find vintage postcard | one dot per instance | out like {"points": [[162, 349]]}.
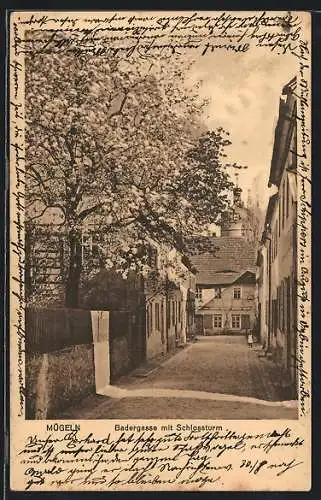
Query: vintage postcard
{"points": [[160, 224]]}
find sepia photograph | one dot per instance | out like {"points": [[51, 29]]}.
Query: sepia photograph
{"points": [[160, 236], [163, 218]]}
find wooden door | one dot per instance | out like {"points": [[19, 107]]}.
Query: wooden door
{"points": [[245, 322], [199, 324]]}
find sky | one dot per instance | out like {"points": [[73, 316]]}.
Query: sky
{"points": [[244, 91]]}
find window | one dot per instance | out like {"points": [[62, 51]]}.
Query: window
{"points": [[91, 249], [275, 240], [149, 319], [179, 312], [281, 311], [287, 196], [283, 204], [267, 312], [288, 305], [236, 321], [217, 320], [198, 293], [173, 313], [236, 293], [217, 293], [157, 318], [162, 321], [274, 316], [284, 304], [168, 314], [278, 309]]}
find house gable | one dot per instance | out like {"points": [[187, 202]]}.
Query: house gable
{"points": [[247, 278]]}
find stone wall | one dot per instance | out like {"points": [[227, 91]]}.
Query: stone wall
{"points": [[55, 380]]}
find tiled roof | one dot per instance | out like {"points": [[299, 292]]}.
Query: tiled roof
{"points": [[223, 261]]}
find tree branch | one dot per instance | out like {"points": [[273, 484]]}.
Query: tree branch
{"points": [[37, 177], [89, 211], [54, 205], [32, 202]]}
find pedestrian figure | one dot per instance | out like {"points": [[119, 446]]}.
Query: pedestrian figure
{"points": [[250, 339]]}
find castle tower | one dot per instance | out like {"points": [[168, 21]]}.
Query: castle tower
{"points": [[232, 221]]}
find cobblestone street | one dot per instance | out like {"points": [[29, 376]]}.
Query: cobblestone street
{"points": [[215, 377]]}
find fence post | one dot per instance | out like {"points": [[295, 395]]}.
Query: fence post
{"points": [[42, 396], [100, 329]]}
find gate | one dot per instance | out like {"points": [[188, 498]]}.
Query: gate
{"points": [[127, 341], [138, 346]]}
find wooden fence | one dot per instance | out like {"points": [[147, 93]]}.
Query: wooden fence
{"points": [[49, 330]]}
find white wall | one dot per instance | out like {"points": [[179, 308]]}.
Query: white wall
{"points": [[227, 305]]}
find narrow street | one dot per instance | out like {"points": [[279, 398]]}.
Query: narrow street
{"points": [[215, 377]]}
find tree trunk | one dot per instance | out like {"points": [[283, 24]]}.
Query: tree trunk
{"points": [[74, 270]]}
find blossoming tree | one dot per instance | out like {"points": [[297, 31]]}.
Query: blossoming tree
{"points": [[112, 144]]}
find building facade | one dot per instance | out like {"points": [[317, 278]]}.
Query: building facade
{"points": [[225, 286], [277, 276], [161, 302], [262, 294], [170, 302], [231, 308]]}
